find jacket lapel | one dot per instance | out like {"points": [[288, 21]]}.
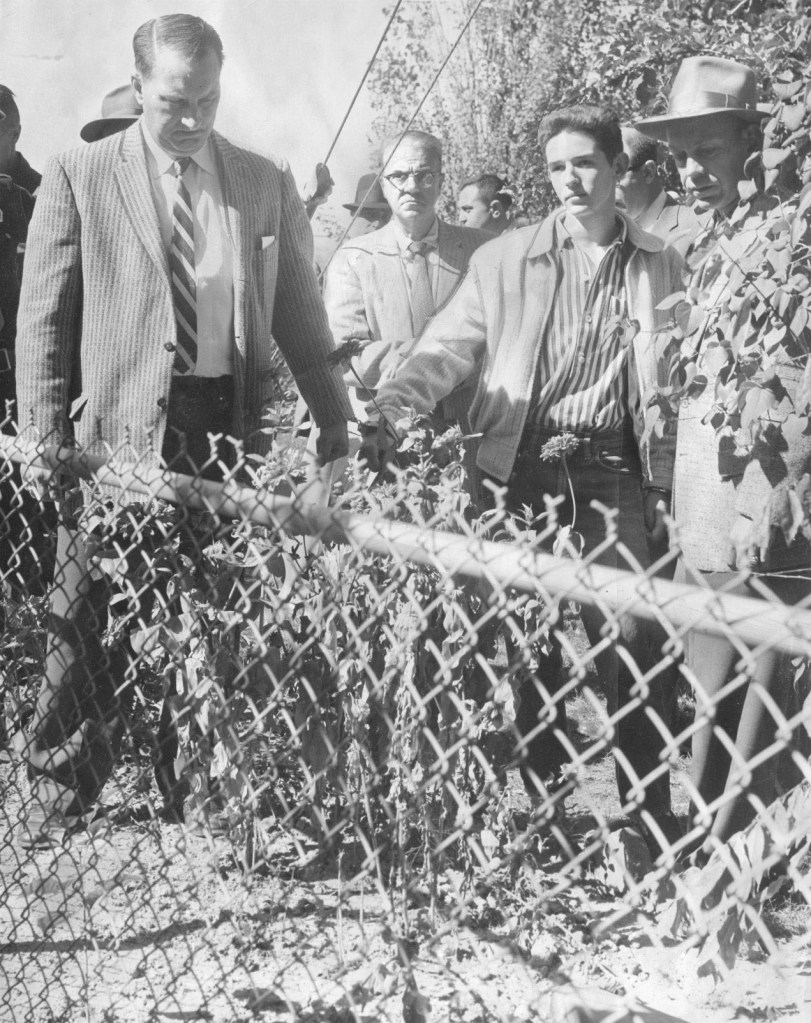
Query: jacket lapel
{"points": [[135, 188], [451, 263], [391, 290]]}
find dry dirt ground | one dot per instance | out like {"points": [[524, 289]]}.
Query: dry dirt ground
{"points": [[145, 922]]}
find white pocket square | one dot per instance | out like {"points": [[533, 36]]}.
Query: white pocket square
{"points": [[268, 240]]}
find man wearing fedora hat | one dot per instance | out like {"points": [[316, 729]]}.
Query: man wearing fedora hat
{"points": [[726, 477], [119, 109], [370, 211]]}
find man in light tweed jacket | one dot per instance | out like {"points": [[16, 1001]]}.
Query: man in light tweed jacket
{"points": [[160, 262], [558, 322]]}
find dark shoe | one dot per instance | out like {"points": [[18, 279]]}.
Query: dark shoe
{"points": [[668, 830]]}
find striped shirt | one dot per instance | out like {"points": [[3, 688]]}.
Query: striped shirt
{"points": [[580, 382]]}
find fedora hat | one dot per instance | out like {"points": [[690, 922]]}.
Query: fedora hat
{"points": [[705, 86], [118, 110], [375, 200]]}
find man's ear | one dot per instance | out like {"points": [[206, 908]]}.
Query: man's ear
{"points": [[621, 163], [496, 209], [137, 88], [650, 170]]}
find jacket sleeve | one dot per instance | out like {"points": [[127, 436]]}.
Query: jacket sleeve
{"points": [[49, 319], [343, 298], [346, 303], [300, 325], [448, 352], [649, 368]]}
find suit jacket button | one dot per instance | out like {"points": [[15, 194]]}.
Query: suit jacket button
{"points": [[162, 402], [170, 347]]}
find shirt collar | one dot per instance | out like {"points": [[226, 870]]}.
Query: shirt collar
{"points": [[403, 241], [544, 241], [204, 158], [563, 237], [653, 212]]}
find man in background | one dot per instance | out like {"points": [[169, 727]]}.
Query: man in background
{"points": [[13, 163], [370, 211], [26, 523], [641, 193], [485, 203], [119, 109], [383, 287]]}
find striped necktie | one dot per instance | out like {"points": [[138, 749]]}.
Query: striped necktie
{"points": [[422, 298], [184, 278]]}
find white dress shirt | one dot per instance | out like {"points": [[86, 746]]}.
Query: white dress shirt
{"points": [[213, 250]]}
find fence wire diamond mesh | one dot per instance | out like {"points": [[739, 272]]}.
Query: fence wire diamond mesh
{"points": [[385, 760]]}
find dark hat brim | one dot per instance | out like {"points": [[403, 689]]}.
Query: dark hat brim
{"points": [[93, 130], [377, 207], [654, 126]]}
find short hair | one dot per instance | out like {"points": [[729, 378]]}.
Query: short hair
{"points": [[423, 138], [640, 148], [8, 104], [490, 187], [600, 122], [186, 34]]}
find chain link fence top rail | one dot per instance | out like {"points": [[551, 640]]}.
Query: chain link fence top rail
{"points": [[313, 743]]}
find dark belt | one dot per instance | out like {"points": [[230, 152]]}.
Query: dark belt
{"points": [[203, 386], [590, 445]]}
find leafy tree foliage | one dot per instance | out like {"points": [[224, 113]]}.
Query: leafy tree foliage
{"points": [[519, 59]]}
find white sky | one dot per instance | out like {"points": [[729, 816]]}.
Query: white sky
{"points": [[291, 68]]}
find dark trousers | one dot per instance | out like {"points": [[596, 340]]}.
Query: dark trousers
{"points": [[604, 469], [83, 704], [27, 524], [743, 718]]}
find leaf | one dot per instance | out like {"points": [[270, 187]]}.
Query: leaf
{"points": [[716, 358], [416, 1007], [671, 301], [729, 938], [774, 157], [785, 512], [653, 414]]}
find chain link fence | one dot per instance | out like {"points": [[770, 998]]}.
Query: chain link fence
{"points": [[308, 740]]}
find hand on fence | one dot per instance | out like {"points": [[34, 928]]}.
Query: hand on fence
{"points": [[332, 443], [378, 445], [744, 551], [318, 189], [42, 480]]}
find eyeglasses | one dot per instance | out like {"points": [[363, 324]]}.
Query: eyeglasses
{"points": [[422, 179]]}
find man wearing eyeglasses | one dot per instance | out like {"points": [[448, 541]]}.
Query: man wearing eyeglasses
{"points": [[383, 287], [642, 195]]}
